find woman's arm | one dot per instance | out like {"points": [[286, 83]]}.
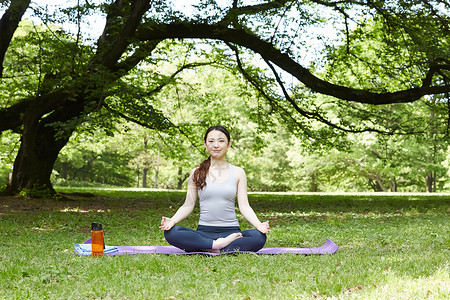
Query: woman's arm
{"points": [[185, 210], [244, 206]]}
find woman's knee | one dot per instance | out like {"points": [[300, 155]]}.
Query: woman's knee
{"points": [[261, 238], [172, 233], [256, 239], [256, 234]]}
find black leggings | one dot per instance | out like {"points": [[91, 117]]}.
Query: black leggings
{"points": [[202, 239]]}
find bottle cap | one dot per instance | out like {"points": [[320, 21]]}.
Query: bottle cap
{"points": [[96, 226]]}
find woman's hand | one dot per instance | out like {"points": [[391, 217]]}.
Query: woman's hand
{"points": [[166, 223], [263, 227]]}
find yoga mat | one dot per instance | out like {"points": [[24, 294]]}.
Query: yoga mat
{"points": [[84, 249]]}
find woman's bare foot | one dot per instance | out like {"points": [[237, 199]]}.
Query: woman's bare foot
{"points": [[221, 243]]}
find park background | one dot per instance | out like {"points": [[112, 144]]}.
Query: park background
{"points": [[148, 130], [338, 112]]}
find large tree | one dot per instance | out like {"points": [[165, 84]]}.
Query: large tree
{"points": [[75, 79]]}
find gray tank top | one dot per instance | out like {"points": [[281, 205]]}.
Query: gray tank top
{"points": [[217, 202]]}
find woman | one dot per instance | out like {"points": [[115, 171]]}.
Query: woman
{"points": [[217, 183]]}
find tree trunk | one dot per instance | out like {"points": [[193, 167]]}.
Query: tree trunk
{"points": [[144, 177], [429, 180], [180, 179], [64, 170], [392, 184], [376, 185], [373, 185], [314, 186], [155, 184], [434, 181], [37, 154], [44, 134]]}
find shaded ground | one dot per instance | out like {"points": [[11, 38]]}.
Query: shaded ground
{"points": [[86, 203], [26, 205], [275, 205]]}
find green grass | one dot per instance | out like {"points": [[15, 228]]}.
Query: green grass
{"points": [[391, 247]]}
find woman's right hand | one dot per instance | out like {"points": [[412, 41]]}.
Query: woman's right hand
{"points": [[166, 223]]}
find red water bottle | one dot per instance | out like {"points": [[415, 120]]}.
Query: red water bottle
{"points": [[97, 241]]}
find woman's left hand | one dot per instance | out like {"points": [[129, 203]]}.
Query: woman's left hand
{"points": [[263, 227]]}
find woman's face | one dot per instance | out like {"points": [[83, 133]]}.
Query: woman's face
{"points": [[217, 144]]}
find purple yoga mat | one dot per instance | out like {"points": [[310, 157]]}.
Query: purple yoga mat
{"points": [[329, 247]]}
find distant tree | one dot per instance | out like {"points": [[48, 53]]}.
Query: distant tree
{"points": [[421, 129], [94, 159]]}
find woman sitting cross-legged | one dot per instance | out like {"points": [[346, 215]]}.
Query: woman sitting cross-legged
{"points": [[217, 183]]}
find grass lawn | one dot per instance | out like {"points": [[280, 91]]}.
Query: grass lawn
{"points": [[391, 247]]}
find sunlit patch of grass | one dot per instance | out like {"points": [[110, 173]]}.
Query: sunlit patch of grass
{"points": [[76, 209]]}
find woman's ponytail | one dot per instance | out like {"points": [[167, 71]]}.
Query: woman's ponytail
{"points": [[200, 173]]}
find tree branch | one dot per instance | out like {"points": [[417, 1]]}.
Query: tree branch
{"points": [[265, 95], [182, 68], [155, 90], [433, 70], [8, 25], [316, 115], [12, 116], [118, 36], [138, 55], [252, 9], [282, 60]]}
